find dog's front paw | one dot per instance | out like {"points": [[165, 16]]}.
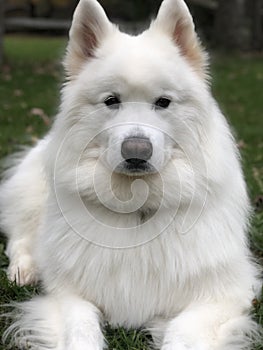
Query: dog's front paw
{"points": [[175, 347], [180, 347], [22, 271], [183, 346], [84, 345]]}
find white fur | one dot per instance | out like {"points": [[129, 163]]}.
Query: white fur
{"points": [[167, 251]]}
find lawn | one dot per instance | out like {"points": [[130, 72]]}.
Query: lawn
{"points": [[29, 95]]}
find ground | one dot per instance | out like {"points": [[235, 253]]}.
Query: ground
{"points": [[29, 95]]}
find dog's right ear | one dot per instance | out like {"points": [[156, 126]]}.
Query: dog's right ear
{"points": [[89, 27], [175, 20]]}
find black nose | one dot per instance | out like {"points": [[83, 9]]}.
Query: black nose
{"points": [[136, 149]]}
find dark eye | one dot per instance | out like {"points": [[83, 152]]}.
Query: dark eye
{"points": [[112, 102], [162, 102]]}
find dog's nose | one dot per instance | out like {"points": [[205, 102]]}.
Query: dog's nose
{"points": [[136, 148]]}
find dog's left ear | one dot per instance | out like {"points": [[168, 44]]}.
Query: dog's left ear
{"points": [[89, 28], [175, 20]]}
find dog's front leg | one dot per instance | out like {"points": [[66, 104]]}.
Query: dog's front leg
{"points": [[81, 325], [208, 326], [55, 322]]}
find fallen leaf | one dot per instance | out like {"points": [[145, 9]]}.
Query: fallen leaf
{"points": [[40, 113], [241, 144], [18, 93]]}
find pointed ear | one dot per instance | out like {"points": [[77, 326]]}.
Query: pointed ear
{"points": [[175, 20], [89, 27]]}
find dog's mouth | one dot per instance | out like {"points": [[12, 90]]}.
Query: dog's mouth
{"points": [[135, 167]]}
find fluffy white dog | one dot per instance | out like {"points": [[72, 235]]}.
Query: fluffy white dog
{"points": [[133, 209]]}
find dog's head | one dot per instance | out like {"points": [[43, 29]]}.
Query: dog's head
{"points": [[134, 107]]}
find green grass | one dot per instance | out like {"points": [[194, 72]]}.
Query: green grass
{"points": [[29, 95], [238, 88], [30, 79]]}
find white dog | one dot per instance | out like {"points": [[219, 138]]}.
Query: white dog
{"points": [[133, 209]]}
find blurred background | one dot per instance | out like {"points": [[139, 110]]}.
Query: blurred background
{"points": [[229, 24], [33, 38]]}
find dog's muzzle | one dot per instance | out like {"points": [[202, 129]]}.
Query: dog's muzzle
{"points": [[136, 152], [136, 149]]}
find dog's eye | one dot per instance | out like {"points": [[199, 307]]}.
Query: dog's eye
{"points": [[162, 102], [112, 102]]}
